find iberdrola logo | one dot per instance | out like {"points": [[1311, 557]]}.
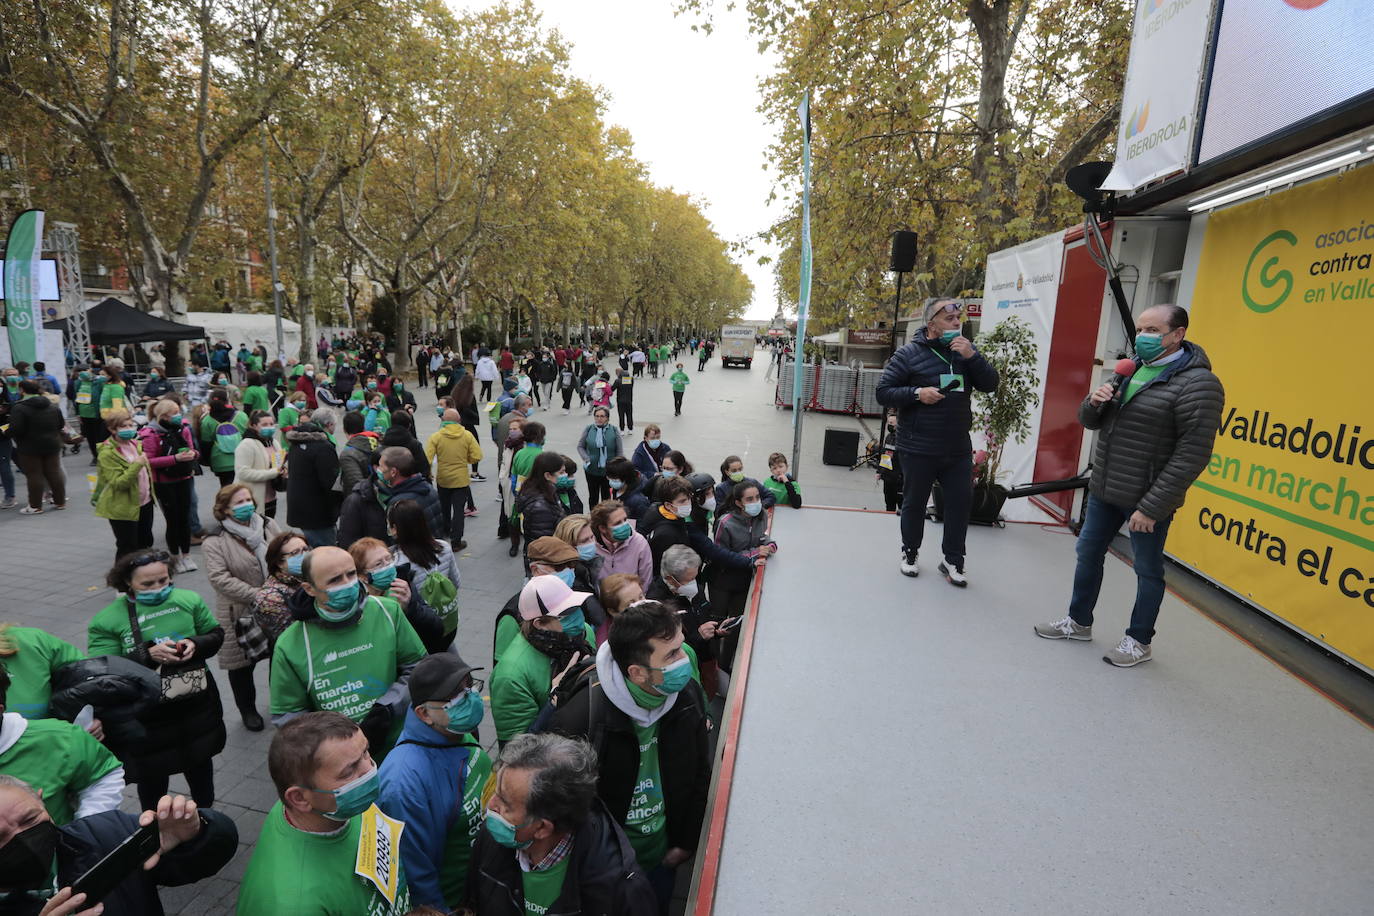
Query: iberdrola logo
{"points": [[1139, 117], [1152, 5]]}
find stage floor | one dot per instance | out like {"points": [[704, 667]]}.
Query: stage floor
{"points": [[909, 747]]}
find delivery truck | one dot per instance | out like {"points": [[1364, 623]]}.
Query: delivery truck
{"points": [[737, 345]]}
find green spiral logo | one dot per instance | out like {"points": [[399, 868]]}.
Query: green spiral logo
{"points": [[1268, 277]]}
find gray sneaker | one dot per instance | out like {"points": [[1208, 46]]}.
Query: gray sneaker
{"points": [[1128, 654], [1064, 629]]}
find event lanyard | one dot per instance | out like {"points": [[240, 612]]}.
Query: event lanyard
{"points": [[942, 357]]}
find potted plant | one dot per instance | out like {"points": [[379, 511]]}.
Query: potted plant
{"points": [[1003, 415]]}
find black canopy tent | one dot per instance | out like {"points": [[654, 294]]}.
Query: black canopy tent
{"points": [[113, 323]]}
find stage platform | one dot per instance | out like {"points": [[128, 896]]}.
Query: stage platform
{"points": [[908, 747]]}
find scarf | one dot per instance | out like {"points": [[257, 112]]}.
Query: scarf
{"points": [[559, 647], [599, 434], [251, 535], [617, 690]]}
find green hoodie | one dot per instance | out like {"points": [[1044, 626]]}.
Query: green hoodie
{"points": [[680, 380]]}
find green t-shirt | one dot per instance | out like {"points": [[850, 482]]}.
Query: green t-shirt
{"points": [[37, 654], [646, 824], [61, 759], [680, 380], [1143, 376], [254, 363], [255, 398], [477, 791], [181, 616], [520, 685], [295, 873], [343, 669], [543, 887]]}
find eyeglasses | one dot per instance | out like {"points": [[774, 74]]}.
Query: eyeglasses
{"points": [[155, 556], [474, 683], [949, 308]]}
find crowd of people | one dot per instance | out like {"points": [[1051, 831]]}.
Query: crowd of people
{"points": [[333, 553]]}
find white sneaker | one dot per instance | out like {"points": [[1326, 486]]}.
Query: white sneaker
{"points": [[909, 565], [1128, 654], [1068, 628], [187, 564], [954, 575]]}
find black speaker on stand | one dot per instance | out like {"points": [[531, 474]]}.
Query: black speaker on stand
{"points": [[902, 261]]}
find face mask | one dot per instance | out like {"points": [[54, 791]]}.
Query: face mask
{"points": [[340, 602], [668, 473], [438, 411], [752, 509], [709, 504], [399, 386], [688, 590], [85, 376], [309, 373], [503, 831], [587, 552], [1149, 347], [736, 476], [675, 677], [381, 578], [152, 376], [220, 381], [573, 622], [614, 484], [26, 860], [683, 511], [353, 798], [294, 565], [299, 405], [948, 336], [565, 482], [622, 531], [267, 432], [154, 597], [566, 575], [242, 512], [127, 434], [464, 713], [653, 443], [372, 385], [174, 419]]}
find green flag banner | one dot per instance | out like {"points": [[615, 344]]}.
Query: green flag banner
{"points": [[23, 310]]}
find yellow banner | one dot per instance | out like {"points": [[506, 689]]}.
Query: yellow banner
{"points": [[1284, 513]]}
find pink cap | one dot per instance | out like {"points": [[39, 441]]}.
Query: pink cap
{"points": [[547, 596]]}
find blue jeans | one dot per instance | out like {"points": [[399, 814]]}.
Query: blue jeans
{"points": [[320, 537], [6, 467], [1100, 525], [197, 529]]}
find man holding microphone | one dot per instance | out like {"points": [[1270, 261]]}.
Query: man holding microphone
{"points": [[929, 381], [1158, 426]]}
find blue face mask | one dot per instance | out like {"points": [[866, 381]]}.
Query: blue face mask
{"points": [[586, 552], [622, 531], [1149, 347], [566, 576], [383, 577], [675, 676], [668, 473], [614, 484], [242, 512], [127, 434], [948, 336], [573, 622], [267, 432], [565, 482], [653, 443], [353, 798], [464, 712], [340, 602], [503, 831], [438, 411], [154, 597], [294, 565], [752, 509]]}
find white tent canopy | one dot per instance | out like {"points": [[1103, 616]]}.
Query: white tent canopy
{"points": [[240, 328]]}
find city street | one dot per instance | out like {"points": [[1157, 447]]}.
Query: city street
{"points": [[65, 556]]}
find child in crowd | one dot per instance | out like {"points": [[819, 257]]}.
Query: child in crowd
{"points": [[781, 484]]}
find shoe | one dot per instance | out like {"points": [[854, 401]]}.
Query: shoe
{"points": [[1067, 628], [954, 575], [469, 513], [565, 413], [909, 565], [56, 506], [9, 503], [252, 721], [514, 549], [197, 540], [94, 462], [30, 510], [478, 477], [1128, 654], [187, 564], [461, 545]]}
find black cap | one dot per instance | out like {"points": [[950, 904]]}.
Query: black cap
{"points": [[436, 678]]}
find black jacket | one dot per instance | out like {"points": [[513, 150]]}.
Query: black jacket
{"points": [[362, 514], [538, 516], [345, 378], [692, 614], [604, 879], [684, 756], [119, 688], [312, 467], [933, 429], [663, 533], [36, 426], [725, 495], [399, 435], [86, 841]]}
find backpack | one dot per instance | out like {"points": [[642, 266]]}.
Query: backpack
{"points": [[581, 676], [227, 438], [494, 412], [439, 592]]}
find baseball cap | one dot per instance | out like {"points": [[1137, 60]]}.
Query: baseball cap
{"points": [[551, 550], [547, 596], [436, 678]]}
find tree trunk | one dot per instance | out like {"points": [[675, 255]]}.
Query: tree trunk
{"points": [[305, 286], [994, 181], [401, 363]]}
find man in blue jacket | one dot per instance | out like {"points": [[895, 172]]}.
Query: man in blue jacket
{"points": [[438, 780], [930, 381]]}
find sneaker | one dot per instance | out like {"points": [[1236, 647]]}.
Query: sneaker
{"points": [[187, 564], [197, 540], [30, 510], [478, 477], [56, 506], [1128, 654], [909, 565], [565, 413], [1067, 628], [954, 575], [9, 503], [469, 513]]}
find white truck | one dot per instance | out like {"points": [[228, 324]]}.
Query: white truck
{"points": [[737, 345]]}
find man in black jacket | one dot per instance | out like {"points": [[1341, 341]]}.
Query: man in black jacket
{"points": [[194, 845], [364, 510], [549, 845], [646, 718], [929, 382], [313, 467]]}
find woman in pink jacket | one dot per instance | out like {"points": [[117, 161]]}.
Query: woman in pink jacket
{"points": [[622, 549], [171, 451]]}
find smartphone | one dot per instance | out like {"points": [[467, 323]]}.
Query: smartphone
{"points": [[125, 859], [728, 624]]}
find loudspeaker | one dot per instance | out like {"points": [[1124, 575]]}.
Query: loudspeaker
{"points": [[903, 252], [841, 446]]}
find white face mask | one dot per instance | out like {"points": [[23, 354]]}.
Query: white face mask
{"points": [[688, 590], [709, 504]]}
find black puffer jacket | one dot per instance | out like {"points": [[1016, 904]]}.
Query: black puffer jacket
{"points": [[933, 429], [604, 878], [1152, 449], [36, 426], [363, 514], [313, 467], [538, 516], [119, 688]]}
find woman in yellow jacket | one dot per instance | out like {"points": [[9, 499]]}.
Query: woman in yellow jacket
{"points": [[454, 450], [124, 485]]}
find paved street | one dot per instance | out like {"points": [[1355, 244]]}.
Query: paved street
{"points": [[59, 560]]}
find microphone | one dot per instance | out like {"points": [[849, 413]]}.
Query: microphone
{"points": [[1125, 368]]}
